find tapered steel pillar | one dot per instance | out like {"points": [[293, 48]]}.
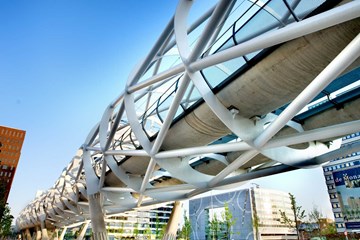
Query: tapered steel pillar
{"points": [[97, 217], [56, 233], [44, 232], [83, 230], [63, 233], [172, 226], [27, 234], [38, 233]]}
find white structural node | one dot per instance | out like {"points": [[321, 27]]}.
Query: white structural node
{"points": [[249, 89]]}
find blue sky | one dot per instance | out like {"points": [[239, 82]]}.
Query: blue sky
{"points": [[62, 62]]}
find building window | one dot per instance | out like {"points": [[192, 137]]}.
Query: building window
{"points": [[332, 196], [335, 205]]}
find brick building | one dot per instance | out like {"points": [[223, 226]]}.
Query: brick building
{"points": [[11, 141]]}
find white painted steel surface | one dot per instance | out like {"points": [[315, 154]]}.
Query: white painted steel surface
{"points": [[138, 156]]}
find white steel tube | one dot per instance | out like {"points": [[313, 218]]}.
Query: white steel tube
{"points": [[184, 82], [139, 153], [324, 20], [116, 189], [173, 188], [157, 78], [329, 132], [257, 174], [115, 125], [95, 149], [164, 129], [149, 171], [348, 55], [165, 34], [210, 29], [193, 26], [226, 147], [241, 160]]}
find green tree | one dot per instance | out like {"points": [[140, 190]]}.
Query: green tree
{"points": [[136, 230], [256, 224], [228, 220], [2, 198], [329, 229], [157, 227], [162, 231], [186, 229], [121, 229], [215, 227], [315, 216], [5, 222], [299, 215], [148, 232]]}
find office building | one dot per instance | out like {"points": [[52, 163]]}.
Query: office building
{"points": [[342, 177], [11, 141], [139, 224], [255, 212], [145, 223]]}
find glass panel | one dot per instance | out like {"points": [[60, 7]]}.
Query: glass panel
{"points": [[214, 75], [190, 97], [278, 10], [229, 43], [234, 64], [245, 18], [222, 38], [217, 74], [148, 73], [168, 62], [238, 10], [147, 105], [265, 20], [152, 125], [253, 54], [194, 35], [178, 112], [164, 106], [303, 8], [140, 104]]}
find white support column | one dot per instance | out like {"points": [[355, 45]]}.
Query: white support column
{"points": [[97, 217], [56, 237], [83, 230], [38, 233], [27, 234], [63, 233], [173, 223], [44, 233]]}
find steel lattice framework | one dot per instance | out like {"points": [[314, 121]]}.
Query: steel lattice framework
{"points": [[204, 109]]}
